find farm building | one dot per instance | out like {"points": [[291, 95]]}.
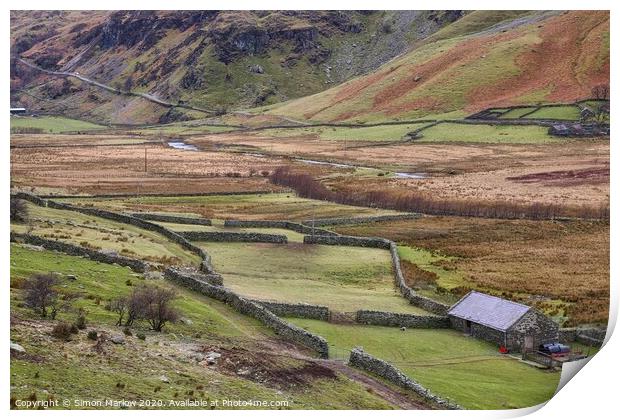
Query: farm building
{"points": [[506, 323]]}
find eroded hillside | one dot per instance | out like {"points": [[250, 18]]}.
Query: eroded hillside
{"points": [[210, 59]]}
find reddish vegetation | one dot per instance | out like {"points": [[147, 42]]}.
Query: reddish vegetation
{"points": [[308, 187], [567, 39], [564, 64], [578, 177], [461, 54]]}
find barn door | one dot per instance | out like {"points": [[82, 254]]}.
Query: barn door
{"points": [[528, 344]]}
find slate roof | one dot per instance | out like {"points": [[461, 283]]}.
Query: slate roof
{"points": [[491, 311]]}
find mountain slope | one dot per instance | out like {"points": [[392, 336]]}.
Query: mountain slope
{"points": [[541, 57], [209, 59]]}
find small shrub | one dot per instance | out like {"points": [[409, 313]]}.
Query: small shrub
{"points": [[127, 331], [19, 211], [128, 282], [80, 322], [92, 335], [63, 331], [141, 336]]}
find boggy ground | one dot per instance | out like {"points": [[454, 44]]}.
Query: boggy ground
{"points": [[562, 267], [491, 170]]}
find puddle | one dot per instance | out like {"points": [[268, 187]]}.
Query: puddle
{"points": [[410, 175], [181, 145], [335, 165]]}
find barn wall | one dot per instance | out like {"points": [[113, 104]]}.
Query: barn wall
{"points": [[478, 331], [542, 328]]}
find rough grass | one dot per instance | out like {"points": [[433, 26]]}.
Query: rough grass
{"points": [[560, 267], [280, 206], [74, 370], [95, 232], [479, 133], [53, 124], [468, 371], [345, 279]]}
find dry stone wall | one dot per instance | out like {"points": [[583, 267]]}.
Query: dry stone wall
{"points": [[135, 265], [172, 219], [408, 293], [348, 241], [587, 336], [279, 224], [359, 220], [371, 364], [297, 310], [234, 237], [391, 319], [205, 265], [253, 309]]}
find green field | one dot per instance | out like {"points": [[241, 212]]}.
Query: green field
{"points": [[279, 206], [54, 125], [394, 132], [567, 112], [95, 232], [468, 371], [344, 279], [75, 370], [479, 133]]}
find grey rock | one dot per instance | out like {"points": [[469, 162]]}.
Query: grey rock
{"points": [[16, 347], [257, 68], [33, 247], [72, 277], [109, 252], [154, 275], [118, 339], [214, 354], [164, 378]]}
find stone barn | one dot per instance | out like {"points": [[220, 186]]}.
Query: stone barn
{"points": [[503, 322]]}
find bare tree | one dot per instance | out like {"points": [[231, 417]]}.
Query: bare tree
{"points": [[157, 306], [120, 306], [601, 92], [40, 294], [19, 211]]}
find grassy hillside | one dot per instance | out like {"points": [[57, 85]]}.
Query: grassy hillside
{"points": [[536, 58], [216, 60], [166, 366]]}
